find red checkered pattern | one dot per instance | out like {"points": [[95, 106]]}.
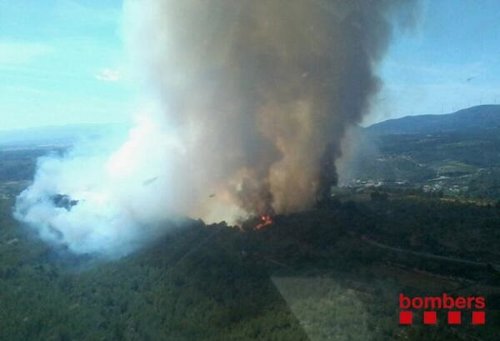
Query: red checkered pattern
{"points": [[454, 317]]}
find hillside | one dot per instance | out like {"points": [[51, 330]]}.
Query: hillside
{"points": [[324, 274], [452, 155], [483, 117]]}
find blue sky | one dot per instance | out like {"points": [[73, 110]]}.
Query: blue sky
{"points": [[63, 62], [449, 62]]}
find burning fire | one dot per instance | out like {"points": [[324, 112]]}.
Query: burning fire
{"points": [[265, 220]]}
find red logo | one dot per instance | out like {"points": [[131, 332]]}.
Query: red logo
{"points": [[454, 307]]}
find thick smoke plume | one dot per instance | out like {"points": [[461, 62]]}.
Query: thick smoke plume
{"points": [[252, 102]]}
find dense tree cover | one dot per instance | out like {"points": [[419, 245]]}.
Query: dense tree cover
{"points": [[334, 272], [308, 275], [179, 289]]}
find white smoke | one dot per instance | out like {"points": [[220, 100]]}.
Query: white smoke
{"points": [[253, 100], [97, 199]]}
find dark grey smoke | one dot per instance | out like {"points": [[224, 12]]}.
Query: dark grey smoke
{"points": [[261, 92], [249, 103]]}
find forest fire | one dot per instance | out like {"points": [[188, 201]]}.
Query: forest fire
{"points": [[265, 220]]}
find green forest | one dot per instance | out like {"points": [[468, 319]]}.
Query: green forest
{"points": [[320, 274]]}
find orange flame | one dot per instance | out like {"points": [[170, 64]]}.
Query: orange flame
{"points": [[266, 220]]}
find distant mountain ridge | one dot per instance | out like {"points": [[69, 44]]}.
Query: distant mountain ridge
{"points": [[474, 119], [482, 117], [56, 135]]}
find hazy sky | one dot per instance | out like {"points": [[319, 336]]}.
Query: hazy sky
{"points": [[62, 61]]}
